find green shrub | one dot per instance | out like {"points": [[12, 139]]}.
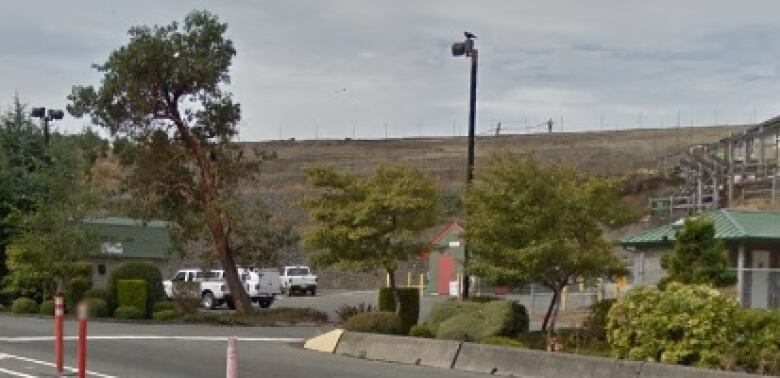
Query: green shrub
{"points": [[444, 310], [24, 306], [421, 330], [82, 269], [595, 325], [688, 325], [137, 270], [484, 299], [98, 308], [503, 341], [46, 307], [410, 305], [758, 341], [346, 311], [75, 291], [482, 320], [97, 293], [164, 315], [163, 306], [128, 312], [375, 322], [131, 293]]}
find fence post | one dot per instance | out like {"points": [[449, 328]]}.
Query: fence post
{"points": [[81, 352], [422, 285], [59, 317], [564, 295], [232, 358]]}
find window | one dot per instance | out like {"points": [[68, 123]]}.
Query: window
{"points": [[297, 272], [102, 269], [178, 277]]}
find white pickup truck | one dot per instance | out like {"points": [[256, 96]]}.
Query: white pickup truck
{"points": [[262, 285], [298, 279], [213, 290]]}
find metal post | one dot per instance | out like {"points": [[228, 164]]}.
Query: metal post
{"points": [[699, 200], [81, 352], [740, 272], [470, 162], [232, 358], [730, 153], [59, 316], [46, 130]]}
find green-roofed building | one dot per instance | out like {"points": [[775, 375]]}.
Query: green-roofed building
{"points": [[126, 239], [753, 241]]}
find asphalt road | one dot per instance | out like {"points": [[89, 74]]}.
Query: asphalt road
{"points": [[142, 350]]}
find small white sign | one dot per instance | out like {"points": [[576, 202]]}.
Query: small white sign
{"points": [[455, 243], [112, 248]]}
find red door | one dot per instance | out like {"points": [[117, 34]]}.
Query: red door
{"points": [[446, 273]]}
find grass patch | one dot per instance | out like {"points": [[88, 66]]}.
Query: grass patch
{"points": [[266, 318]]}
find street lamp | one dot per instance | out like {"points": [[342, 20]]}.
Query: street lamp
{"points": [[53, 114], [460, 49]]}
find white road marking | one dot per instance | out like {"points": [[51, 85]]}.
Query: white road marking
{"points": [[23, 339], [39, 362], [16, 373]]}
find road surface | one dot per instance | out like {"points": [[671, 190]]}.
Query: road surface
{"points": [[144, 350]]}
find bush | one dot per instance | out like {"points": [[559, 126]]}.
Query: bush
{"points": [[482, 320], [128, 312], [24, 306], [164, 315], [445, 310], [138, 270], [758, 341], [410, 305], [96, 293], [163, 306], [387, 323], [484, 299], [421, 330], [75, 290], [131, 293], [346, 311], [595, 325], [98, 308], [46, 307], [503, 341], [688, 325]]}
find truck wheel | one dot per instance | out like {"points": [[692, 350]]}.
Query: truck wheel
{"points": [[265, 303], [231, 305], [208, 301], [313, 291]]}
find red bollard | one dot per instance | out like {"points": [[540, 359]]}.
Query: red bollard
{"points": [[81, 351], [59, 320], [232, 358]]}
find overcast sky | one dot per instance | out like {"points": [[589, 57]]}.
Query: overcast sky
{"points": [[316, 67]]}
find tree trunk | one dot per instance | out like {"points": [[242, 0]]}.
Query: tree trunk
{"points": [[550, 309], [221, 243], [556, 307], [396, 297]]}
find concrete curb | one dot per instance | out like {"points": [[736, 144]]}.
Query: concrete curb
{"points": [[505, 361], [407, 350]]}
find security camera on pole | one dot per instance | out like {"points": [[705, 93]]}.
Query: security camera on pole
{"points": [[460, 49]]}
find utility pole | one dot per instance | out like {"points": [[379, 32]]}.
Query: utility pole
{"points": [[459, 49]]}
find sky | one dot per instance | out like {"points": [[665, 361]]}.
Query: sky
{"points": [[371, 68]]}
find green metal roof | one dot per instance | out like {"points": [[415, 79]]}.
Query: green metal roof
{"points": [[131, 238], [730, 224]]}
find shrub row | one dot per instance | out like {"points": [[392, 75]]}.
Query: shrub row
{"points": [[410, 305]]}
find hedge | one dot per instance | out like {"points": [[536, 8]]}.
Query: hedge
{"points": [[98, 308], [483, 320], [163, 306], [128, 312], [421, 330], [46, 307], [131, 293], [24, 305], [137, 270], [375, 322], [410, 305], [444, 310], [96, 293], [164, 315]]}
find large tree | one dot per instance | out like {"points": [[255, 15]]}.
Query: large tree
{"points": [[370, 221], [528, 223], [697, 257], [165, 90]]}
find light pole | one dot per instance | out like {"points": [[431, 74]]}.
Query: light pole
{"points": [[53, 114], [460, 49]]}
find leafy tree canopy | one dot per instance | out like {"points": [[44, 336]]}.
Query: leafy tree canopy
{"points": [[533, 224]]}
